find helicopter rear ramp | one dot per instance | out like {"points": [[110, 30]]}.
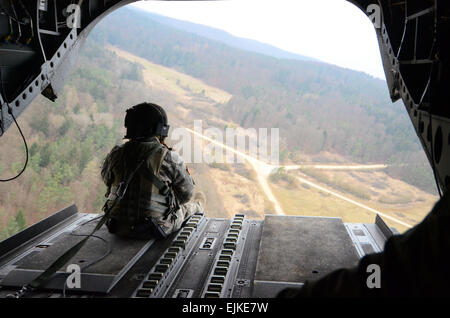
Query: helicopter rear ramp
{"points": [[207, 258], [295, 249]]}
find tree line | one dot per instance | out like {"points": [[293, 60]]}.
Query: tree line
{"points": [[318, 107]]}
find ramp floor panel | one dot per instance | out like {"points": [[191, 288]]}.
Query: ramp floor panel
{"points": [[106, 269], [236, 258], [294, 249]]}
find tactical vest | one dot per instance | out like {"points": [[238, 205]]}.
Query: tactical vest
{"points": [[147, 196]]}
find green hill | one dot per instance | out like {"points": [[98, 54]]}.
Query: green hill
{"points": [[319, 107]]}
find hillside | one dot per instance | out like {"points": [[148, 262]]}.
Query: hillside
{"points": [[69, 139], [334, 116], [321, 108], [225, 37]]}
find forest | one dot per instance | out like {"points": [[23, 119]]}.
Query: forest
{"points": [[67, 141], [319, 108]]}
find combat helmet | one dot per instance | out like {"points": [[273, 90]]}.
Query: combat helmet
{"points": [[146, 120]]}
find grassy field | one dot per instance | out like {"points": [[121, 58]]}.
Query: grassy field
{"points": [[176, 82], [405, 203], [313, 202]]}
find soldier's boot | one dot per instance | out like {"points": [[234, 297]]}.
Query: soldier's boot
{"points": [[199, 197], [196, 205]]}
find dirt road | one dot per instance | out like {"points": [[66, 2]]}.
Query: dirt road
{"points": [[263, 171]]}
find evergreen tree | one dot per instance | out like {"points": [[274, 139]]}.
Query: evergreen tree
{"points": [[20, 220]]}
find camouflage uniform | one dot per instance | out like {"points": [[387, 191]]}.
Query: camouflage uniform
{"points": [[142, 199]]}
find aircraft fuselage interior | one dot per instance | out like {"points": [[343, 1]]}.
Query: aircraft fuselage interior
{"points": [[210, 257]]}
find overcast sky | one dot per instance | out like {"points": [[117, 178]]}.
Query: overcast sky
{"points": [[333, 31]]}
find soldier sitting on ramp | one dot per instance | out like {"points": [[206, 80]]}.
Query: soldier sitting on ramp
{"points": [[158, 184]]}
